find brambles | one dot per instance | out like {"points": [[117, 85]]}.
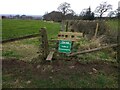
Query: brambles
{"points": [[107, 28], [87, 27]]}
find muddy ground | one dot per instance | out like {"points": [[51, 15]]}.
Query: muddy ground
{"points": [[67, 65], [23, 71]]}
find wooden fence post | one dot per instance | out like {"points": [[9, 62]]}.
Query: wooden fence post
{"points": [[63, 25], [96, 31], [66, 26], [44, 43]]}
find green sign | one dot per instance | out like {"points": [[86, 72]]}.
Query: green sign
{"points": [[65, 46]]}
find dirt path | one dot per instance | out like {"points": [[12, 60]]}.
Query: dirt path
{"points": [[61, 66]]}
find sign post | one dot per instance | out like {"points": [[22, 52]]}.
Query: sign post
{"points": [[64, 46]]}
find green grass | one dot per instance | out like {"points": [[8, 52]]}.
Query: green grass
{"points": [[13, 28], [11, 53], [113, 24]]}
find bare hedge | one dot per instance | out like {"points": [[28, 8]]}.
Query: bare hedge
{"points": [[88, 28]]}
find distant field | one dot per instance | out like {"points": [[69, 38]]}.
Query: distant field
{"points": [[13, 28]]}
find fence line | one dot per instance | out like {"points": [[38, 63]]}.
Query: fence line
{"points": [[19, 38]]}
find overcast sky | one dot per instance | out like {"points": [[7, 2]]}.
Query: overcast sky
{"points": [[39, 7]]}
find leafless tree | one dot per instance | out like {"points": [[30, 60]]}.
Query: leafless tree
{"points": [[102, 8], [65, 8], [113, 13], [83, 12], [87, 14]]}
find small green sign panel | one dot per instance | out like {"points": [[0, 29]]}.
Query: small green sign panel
{"points": [[64, 46]]}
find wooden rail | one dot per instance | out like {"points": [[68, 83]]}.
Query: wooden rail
{"points": [[20, 38], [93, 50]]}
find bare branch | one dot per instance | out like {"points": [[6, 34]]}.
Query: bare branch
{"points": [[65, 8], [102, 8]]}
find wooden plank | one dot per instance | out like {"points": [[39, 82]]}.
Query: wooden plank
{"points": [[19, 38], [93, 50], [66, 26], [69, 39], [50, 55], [72, 36], [96, 30], [71, 33]]}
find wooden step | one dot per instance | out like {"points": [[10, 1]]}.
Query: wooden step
{"points": [[50, 55]]}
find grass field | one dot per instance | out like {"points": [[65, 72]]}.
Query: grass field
{"points": [[18, 72], [13, 28]]}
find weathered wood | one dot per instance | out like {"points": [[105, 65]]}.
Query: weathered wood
{"points": [[19, 38], [56, 46], [49, 57], [96, 30], [71, 33], [68, 39], [72, 36], [44, 41], [62, 26], [66, 26], [93, 50]]}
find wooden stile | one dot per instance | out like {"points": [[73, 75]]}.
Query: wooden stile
{"points": [[71, 36]]}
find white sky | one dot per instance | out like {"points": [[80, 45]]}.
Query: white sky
{"points": [[39, 7]]}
